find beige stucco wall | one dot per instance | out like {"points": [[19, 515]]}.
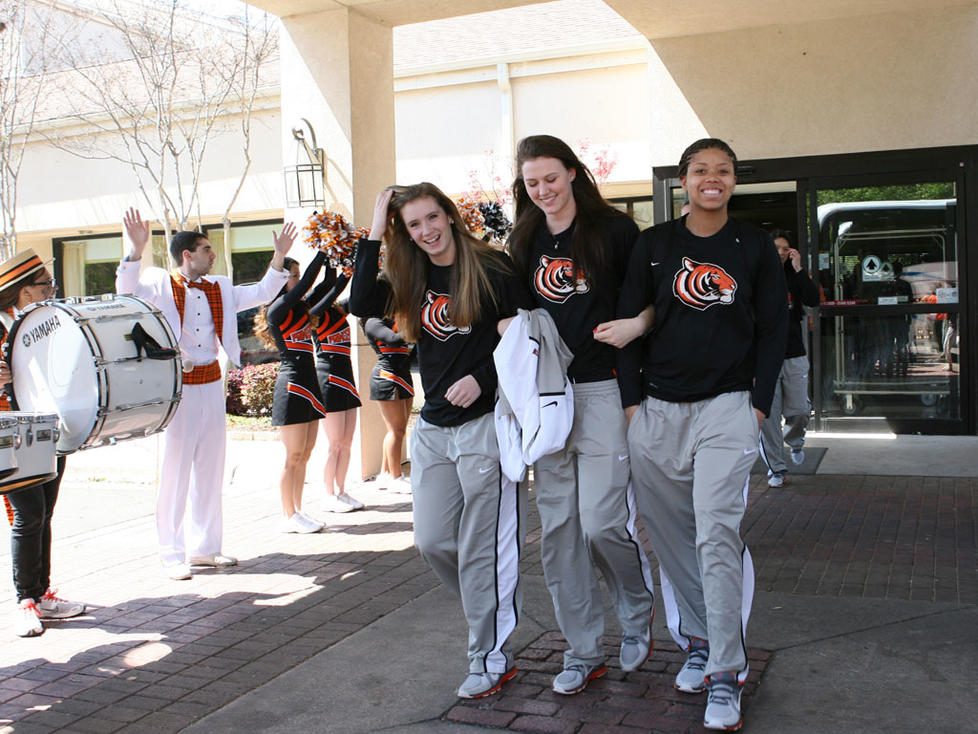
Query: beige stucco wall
{"points": [[889, 81]]}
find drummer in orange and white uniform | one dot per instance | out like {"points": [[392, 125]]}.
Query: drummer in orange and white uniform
{"points": [[201, 311], [24, 280]]}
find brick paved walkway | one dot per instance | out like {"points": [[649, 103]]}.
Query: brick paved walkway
{"points": [[155, 655]]}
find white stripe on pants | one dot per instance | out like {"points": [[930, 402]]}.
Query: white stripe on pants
{"points": [[468, 526], [690, 465], [587, 517], [192, 475]]}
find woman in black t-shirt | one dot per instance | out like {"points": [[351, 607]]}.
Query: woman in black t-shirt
{"points": [[448, 291]]}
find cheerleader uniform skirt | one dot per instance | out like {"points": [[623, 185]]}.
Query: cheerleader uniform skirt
{"points": [[391, 380], [298, 398], [336, 382]]}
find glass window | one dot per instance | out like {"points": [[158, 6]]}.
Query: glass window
{"points": [[887, 246], [893, 365]]}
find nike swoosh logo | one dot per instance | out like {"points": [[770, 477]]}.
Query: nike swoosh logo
{"points": [[622, 458], [485, 470], [547, 405], [654, 264], [749, 451]]}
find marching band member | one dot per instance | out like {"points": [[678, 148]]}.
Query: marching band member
{"points": [[297, 404], [24, 280], [200, 310], [572, 248], [448, 291]]}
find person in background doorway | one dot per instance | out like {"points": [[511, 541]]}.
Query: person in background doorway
{"points": [[791, 390]]}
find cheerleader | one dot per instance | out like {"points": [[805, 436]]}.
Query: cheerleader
{"points": [[335, 372], [448, 291], [391, 385], [572, 248], [298, 404]]}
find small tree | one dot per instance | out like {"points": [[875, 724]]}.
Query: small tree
{"points": [[26, 49], [182, 77]]}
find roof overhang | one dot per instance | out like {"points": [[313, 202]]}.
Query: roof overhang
{"points": [[653, 18]]}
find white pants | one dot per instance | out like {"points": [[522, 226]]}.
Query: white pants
{"points": [[192, 474]]}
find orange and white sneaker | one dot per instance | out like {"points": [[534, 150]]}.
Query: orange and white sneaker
{"points": [[27, 620], [54, 607]]}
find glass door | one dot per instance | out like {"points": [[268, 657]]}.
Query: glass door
{"points": [[887, 338]]}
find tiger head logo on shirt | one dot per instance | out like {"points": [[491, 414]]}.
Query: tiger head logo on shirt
{"points": [[702, 285], [556, 280], [434, 317]]}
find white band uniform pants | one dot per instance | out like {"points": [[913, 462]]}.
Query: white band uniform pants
{"points": [[192, 475], [468, 526], [790, 401], [690, 467], [587, 516]]}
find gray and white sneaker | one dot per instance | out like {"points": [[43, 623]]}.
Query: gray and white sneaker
{"points": [[692, 677], [797, 456], [775, 479], [723, 703], [574, 678], [478, 685], [635, 650], [333, 503], [351, 501]]}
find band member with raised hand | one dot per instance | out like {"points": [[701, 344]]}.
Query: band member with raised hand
{"points": [[448, 290], [200, 309], [25, 280], [572, 247], [696, 390], [340, 397], [392, 388], [297, 404]]}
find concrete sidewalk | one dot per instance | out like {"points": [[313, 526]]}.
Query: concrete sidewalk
{"points": [[864, 617]]}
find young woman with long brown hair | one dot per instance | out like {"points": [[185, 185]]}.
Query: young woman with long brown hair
{"points": [[572, 248], [448, 291]]}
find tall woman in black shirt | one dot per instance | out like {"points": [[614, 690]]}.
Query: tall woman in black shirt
{"points": [[572, 248], [297, 404], [448, 290]]}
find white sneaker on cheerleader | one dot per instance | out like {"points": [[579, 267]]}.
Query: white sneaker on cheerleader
{"points": [[383, 480], [400, 485], [351, 501], [333, 503], [310, 521]]}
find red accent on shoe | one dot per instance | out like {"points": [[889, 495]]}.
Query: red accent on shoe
{"points": [[507, 676]]}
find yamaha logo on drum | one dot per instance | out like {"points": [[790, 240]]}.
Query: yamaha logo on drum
{"points": [[41, 331]]}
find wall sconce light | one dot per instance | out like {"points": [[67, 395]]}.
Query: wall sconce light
{"points": [[305, 182]]}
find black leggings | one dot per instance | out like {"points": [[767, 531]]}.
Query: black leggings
{"points": [[30, 536]]}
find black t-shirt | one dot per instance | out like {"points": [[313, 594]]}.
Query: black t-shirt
{"points": [[578, 304], [721, 314], [446, 353]]}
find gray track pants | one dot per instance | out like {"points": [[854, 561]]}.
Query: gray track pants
{"points": [[587, 513], [468, 526], [690, 465], [790, 401]]}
